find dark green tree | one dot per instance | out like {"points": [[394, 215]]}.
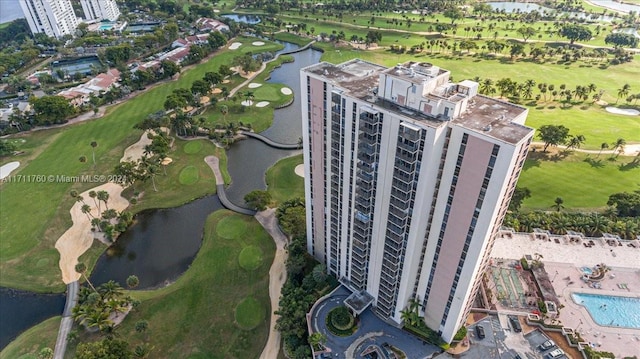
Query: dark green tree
{"points": [[553, 135], [575, 32], [258, 199]]}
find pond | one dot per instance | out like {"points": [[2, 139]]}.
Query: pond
{"points": [[162, 243], [247, 19], [512, 7], [615, 5]]}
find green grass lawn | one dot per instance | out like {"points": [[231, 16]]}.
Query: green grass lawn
{"points": [[192, 147], [196, 316], [188, 175], [34, 215], [29, 343], [282, 182], [249, 313], [583, 181], [250, 258]]}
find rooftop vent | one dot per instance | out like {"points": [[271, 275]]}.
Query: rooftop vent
{"points": [[487, 128]]}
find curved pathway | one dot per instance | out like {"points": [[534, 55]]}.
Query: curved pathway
{"points": [[67, 320], [214, 164], [277, 277], [270, 142]]}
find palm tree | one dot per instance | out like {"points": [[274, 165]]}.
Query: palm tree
{"points": [[93, 196], [132, 281], [141, 326], [104, 197], [142, 351], [603, 146], [94, 144], [86, 209], [486, 87], [558, 204], [110, 290], [82, 159], [224, 110], [575, 141], [619, 145], [623, 91], [82, 269]]}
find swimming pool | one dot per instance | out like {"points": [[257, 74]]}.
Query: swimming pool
{"points": [[610, 310]]}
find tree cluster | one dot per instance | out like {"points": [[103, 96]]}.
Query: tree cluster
{"points": [[147, 167]]}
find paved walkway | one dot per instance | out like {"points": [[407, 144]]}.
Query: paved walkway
{"points": [[214, 164], [67, 320], [277, 277], [371, 331], [269, 142]]}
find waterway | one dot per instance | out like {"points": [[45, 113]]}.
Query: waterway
{"points": [[162, 243], [512, 7]]}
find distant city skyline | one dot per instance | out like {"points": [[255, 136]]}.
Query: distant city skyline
{"points": [[10, 10]]}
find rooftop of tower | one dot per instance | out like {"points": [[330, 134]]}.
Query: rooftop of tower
{"points": [[488, 116]]}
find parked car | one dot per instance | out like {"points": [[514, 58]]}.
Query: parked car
{"points": [[515, 323], [546, 345], [556, 353], [480, 331]]}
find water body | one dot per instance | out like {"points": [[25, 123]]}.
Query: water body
{"points": [[611, 310], [162, 244], [616, 5], [512, 7], [10, 10], [159, 247], [20, 311], [247, 19]]}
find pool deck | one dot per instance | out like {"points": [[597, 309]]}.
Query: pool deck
{"points": [[564, 261]]}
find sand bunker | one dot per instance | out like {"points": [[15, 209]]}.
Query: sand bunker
{"points": [[6, 170], [286, 91], [204, 99], [166, 161], [262, 103], [235, 46], [299, 170], [216, 91], [254, 85], [257, 43], [246, 103], [623, 111], [79, 238], [226, 81], [135, 151]]}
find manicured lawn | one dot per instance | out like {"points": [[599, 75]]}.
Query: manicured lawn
{"points": [[192, 147], [188, 175], [231, 227], [249, 313], [282, 182], [34, 215], [250, 258], [196, 316], [583, 181], [29, 343]]}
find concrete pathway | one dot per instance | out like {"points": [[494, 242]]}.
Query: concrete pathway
{"points": [[269, 142], [277, 277], [67, 321], [214, 164]]}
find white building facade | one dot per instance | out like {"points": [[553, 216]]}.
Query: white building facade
{"points": [[54, 18], [408, 177], [100, 9]]}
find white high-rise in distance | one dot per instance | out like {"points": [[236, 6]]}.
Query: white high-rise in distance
{"points": [[100, 9], [51, 17], [408, 177]]}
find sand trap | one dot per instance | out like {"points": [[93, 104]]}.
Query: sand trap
{"points": [[254, 85], [216, 10], [257, 43], [6, 170], [246, 75], [299, 170], [623, 111], [135, 151], [286, 91], [166, 161], [235, 46], [226, 81], [216, 91], [204, 99], [246, 103], [79, 238], [262, 103]]}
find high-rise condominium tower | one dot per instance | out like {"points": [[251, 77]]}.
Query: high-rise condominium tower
{"points": [[100, 9], [51, 17], [408, 179]]}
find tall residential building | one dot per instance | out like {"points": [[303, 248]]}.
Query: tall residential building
{"points": [[100, 9], [408, 179], [51, 17]]}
